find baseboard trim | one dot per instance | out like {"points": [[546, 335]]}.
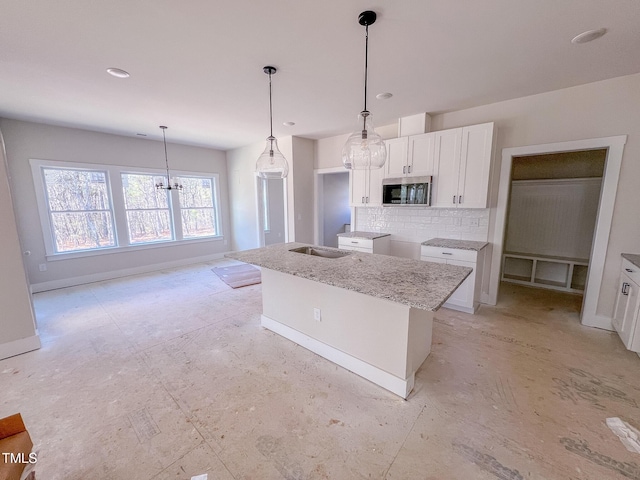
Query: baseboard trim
{"points": [[98, 277], [597, 321], [384, 379], [20, 346]]}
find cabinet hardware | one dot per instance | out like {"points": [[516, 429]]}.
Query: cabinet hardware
{"points": [[367, 199], [629, 270], [447, 253], [454, 199], [409, 168], [625, 288], [404, 169], [362, 199], [460, 199], [353, 241]]}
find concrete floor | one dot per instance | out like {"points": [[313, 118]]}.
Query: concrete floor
{"points": [[169, 375]]}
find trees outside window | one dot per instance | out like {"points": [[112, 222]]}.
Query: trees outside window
{"points": [[79, 208], [197, 207], [147, 209], [86, 208]]}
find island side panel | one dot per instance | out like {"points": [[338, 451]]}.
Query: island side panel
{"points": [[371, 329], [419, 340]]}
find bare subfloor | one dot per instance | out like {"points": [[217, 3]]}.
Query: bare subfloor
{"points": [[169, 375]]}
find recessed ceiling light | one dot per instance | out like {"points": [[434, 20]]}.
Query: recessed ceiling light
{"points": [[289, 124], [589, 36], [117, 72], [384, 96]]}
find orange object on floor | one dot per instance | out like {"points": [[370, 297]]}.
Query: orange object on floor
{"points": [[15, 447]]}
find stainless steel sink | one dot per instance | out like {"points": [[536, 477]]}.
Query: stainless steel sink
{"points": [[320, 252]]}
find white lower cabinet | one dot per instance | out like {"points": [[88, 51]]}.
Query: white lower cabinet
{"points": [[625, 317], [378, 245], [466, 298]]}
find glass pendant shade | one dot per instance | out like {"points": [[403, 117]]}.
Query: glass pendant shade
{"points": [[272, 164], [364, 148]]}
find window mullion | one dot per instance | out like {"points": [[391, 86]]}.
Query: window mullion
{"points": [[176, 214]]}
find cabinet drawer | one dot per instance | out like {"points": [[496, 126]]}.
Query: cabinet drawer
{"points": [[631, 270], [355, 242], [448, 253], [357, 249]]}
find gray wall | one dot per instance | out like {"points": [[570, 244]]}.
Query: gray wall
{"points": [[16, 315], [335, 206], [26, 140], [276, 233]]}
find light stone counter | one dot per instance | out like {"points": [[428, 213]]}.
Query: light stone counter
{"points": [[452, 243], [365, 235], [417, 284], [633, 258]]}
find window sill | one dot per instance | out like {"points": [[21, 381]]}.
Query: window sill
{"points": [[130, 248]]}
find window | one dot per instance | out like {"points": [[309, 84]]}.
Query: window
{"points": [[265, 205], [197, 207], [79, 209], [87, 209], [147, 209]]}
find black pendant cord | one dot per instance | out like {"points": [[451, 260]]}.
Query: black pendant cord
{"points": [[166, 158], [270, 109], [366, 64]]}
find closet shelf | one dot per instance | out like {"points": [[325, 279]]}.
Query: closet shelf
{"points": [[557, 273]]}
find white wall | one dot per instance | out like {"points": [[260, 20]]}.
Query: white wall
{"points": [[17, 328], [26, 140], [241, 164], [243, 202], [601, 109]]}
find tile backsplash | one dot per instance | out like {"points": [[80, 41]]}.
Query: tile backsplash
{"points": [[417, 224]]}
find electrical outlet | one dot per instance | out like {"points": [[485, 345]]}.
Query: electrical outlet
{"points": [[474, 222], [42, 267], [317, 315]]}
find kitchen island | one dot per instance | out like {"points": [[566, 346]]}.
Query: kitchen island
{"points": [[371, 314]]}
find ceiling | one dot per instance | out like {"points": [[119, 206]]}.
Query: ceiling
{"points": [[196, 66]]}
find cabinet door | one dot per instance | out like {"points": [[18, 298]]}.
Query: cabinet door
{"points": [[374, 187], [421, 153], [396, 157], [447, 165], [475, 165], [463, 295], [627, 324], [358, 186]]}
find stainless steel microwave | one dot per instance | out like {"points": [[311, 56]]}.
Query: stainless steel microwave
{"points": [[414, 191]]}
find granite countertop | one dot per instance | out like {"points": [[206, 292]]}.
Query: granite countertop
{"points": [[459, 244], [418, 284], [365, 235], [633, 258]]}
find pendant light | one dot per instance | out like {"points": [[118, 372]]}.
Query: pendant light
{"points": [[161, 185], [271, 164], [364, 148]]}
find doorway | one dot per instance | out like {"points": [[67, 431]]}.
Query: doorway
{"points": [[551, 219], [332, 206], [272, 211], [614, 147]]}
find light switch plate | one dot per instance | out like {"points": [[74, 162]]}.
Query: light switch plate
{"points": [[317, 315]]}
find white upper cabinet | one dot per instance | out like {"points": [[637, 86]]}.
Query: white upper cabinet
{"points": [[448, 144], [462, 159], [421, 154], [410, 156], [366, 187], [397, 149]]}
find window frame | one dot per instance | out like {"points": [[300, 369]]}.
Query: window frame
{"points": [[116, 193]]}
